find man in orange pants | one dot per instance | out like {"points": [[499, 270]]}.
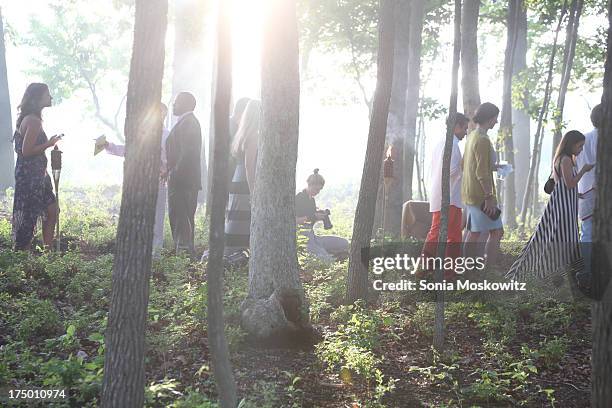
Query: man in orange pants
{"points": [[453, 248]]}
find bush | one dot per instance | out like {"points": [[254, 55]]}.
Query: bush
{"points": [[35, 318]]}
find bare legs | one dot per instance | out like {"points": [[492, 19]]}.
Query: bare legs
{"points": [[475, 246], [48, 226]]}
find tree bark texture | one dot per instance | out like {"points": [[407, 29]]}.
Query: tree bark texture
{"points": [[219, 353], [520, 118], [276, 306], [469, 56], [537, 142], [438, 337], [7, 158], [505, 125], [417, 15], [211, 133], [357, 287], [571, 36], [124, 376], [396, 125], [602, 309], [189, 62]]}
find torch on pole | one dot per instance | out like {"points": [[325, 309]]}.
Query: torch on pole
{"points": [[387, 178], [56, 168]]}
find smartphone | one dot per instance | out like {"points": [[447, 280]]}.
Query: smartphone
{"points": [[495, 215]]}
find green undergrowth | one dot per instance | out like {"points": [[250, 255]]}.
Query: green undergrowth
{"points": [[53, 312]]}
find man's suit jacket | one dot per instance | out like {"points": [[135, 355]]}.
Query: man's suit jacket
{"points": [[183, 149]]}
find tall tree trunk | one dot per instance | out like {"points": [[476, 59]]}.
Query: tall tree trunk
{"points": [[417, 15], [438, 337], [189, 63], [276, 306], [602, 266], [505, 125], [357, 287], [520, 118], [396, 126], [211, 133], [469, 56], [7, 157], [124, 376], [222, 368], [571, 36], [537, 142]]}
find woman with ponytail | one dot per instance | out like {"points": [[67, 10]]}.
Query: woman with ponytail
{"points": [[328, 247]]}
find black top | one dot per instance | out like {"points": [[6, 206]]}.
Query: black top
{"points": [[183, 148], [305, 206]]}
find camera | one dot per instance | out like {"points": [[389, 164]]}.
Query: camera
{"points": [[326, 221]]}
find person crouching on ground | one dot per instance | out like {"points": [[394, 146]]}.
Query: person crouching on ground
{"points": [[329, 247]]}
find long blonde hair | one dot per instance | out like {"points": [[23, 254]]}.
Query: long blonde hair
{"points": [[248, 129]]}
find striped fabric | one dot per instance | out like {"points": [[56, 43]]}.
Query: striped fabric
{"points": [[238, 214], [553, 249]]}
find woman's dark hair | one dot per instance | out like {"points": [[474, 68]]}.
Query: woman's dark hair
{"points": [[459, 119], [315, 178], [597, 116], [567, 144], [485, 112], [30, 102]]}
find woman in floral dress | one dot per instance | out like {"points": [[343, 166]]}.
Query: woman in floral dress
{"points": [[34, 196]]}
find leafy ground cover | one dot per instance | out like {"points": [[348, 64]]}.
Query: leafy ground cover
{"points": [[532, 351]]}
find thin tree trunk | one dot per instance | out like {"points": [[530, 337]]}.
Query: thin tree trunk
{"points": [[124, 376], [438, 337], [469, 56], [602, 247], [396, 126], [189, 63], [357, 287], [417, 161], [276, 307], [421, 155], [7, 158], [222, 368], [505, 126], [211, 133], [417, 15], [571, 35], [532, 176], [520, 117]]}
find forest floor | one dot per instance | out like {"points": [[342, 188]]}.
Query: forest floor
{"points": [[529, 351]]}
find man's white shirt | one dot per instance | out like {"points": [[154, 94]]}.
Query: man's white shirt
{"points": [[435, 182], [588, 181]]}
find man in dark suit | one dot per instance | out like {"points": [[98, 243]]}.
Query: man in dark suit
{"points": [[183, 148]]}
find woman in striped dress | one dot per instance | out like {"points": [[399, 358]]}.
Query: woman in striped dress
{"points": [[244, 152], [554, 246]]}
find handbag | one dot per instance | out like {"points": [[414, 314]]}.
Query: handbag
{"points": [[549, 186]]}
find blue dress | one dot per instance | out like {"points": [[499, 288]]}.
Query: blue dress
{"points": [[33, 192]]}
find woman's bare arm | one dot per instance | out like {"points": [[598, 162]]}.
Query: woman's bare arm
{"points": [[570, 180], [33, 127]]}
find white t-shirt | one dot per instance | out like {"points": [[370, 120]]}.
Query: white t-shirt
{"points": [[588, 181], [435, 181]]}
